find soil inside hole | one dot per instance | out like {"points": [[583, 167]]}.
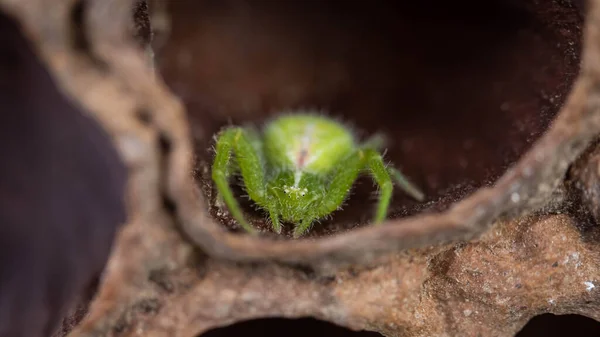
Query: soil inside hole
{"points": [[462, 89]]}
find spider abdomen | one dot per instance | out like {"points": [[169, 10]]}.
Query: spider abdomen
{"points": [[304, 142]]}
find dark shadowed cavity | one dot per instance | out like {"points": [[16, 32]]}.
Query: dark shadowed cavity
{"points": [[549, 325], [546, 325], [462, 89], [276, 327]]}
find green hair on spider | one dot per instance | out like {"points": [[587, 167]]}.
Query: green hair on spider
{"points": [[300, 168]]}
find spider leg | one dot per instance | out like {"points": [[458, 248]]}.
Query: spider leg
{"points": [[405, 184], [380, 174], [302, 227], [341, 182], [377, 142], [249, 162], [275, 221]]}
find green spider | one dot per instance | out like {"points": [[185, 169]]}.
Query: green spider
{"points": [[300, 169]]}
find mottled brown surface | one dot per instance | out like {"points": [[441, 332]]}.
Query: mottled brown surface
{"points": [[484, 266], [491, 287], [584, 186]]}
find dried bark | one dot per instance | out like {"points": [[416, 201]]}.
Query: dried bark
{"points": [[480, 265]]}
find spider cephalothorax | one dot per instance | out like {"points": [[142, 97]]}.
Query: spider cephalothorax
{"points": [[300, 169]]}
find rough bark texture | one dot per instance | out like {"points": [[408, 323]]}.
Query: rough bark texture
{"points": [[493, 108]]}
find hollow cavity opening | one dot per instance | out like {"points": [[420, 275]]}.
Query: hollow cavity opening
{"points": [[276, 327], [462, 89], [549, 325]]}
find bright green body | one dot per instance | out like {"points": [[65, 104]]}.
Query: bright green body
{"points": [[308, 143], [300, 169], [301, 151]]}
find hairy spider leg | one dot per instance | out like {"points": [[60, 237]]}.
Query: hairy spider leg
{"points": [[236, 141], [275, 220], [338, 189], [377, 142], [405, 184], [344, 179], [382, 177]]}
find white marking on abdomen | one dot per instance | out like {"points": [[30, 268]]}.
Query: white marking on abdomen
{"points": [[304, 146], [297, 177], [324, 148]]}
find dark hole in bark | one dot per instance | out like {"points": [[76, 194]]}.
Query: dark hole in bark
{"points": [[142, 31], [144, 117], [462, 89], [549, 325], [276, 327], [79, 39]]}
